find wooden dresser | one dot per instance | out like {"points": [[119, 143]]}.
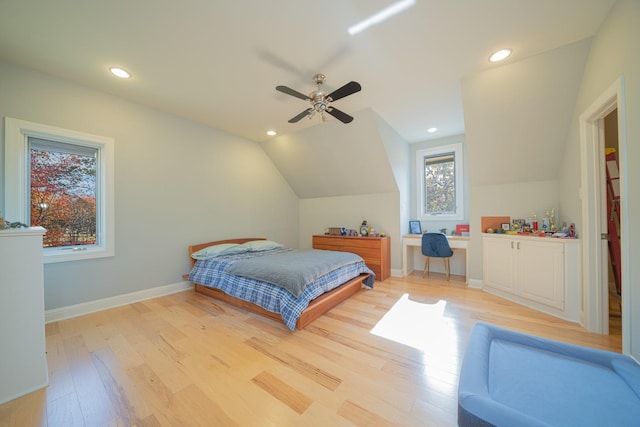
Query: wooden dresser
{"points": [[375, 251]]}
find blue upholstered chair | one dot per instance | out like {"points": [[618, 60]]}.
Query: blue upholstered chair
{"points": [[436, 245]]}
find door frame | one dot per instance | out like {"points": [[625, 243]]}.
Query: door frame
{"points": [[595, 316]]}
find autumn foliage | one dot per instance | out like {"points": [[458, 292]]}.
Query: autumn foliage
{"points": [[63, 197], [440, 185]]}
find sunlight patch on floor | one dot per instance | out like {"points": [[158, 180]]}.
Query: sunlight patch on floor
{"points": [[425, 327]]}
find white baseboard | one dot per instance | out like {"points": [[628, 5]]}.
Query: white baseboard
{"points": [[475, 283], [70, 311]]}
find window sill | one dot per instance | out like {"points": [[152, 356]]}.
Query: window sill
{"points": [[77, 254]]}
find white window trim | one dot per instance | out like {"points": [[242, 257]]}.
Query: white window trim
{"points": [[459, 166], [16, 183]]}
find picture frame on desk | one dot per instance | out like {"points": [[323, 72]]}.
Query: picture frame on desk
{"points": [[415, 227]]}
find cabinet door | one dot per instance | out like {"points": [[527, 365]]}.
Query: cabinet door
{"points": [[541, 272], [499, 263]]}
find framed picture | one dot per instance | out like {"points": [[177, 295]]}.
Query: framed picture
{"points": [[415, 227]]}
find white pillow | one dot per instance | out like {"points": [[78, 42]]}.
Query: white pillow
{"points": [[219, 250], [261, 245]]}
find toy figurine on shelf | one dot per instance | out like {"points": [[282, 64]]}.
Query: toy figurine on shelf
{"points": [[545, 221], [534, 222], [552, 222], [364, 229]]}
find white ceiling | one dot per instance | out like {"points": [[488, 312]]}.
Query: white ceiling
{"points": [[217, 62]]}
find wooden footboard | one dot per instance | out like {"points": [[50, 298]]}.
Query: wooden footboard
{"points": [[328, 300], [315, 309]]}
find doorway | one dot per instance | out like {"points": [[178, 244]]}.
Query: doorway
{"points": [[612, 219], [595, 316]]}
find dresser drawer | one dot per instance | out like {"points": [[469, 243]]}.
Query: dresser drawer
{"points": [[375, 251]]}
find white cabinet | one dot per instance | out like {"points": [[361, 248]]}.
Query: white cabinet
{"points": [[500, 261], [23, 362], [542, 273]]}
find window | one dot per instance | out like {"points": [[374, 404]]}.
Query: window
{"points": [[62, 187], [440, 188], [61, 180]]}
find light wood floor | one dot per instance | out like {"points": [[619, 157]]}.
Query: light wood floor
{"points": [[387, 356]]}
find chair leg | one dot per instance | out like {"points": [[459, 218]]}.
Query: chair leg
{"points": [[426, 267], [447, 266]]}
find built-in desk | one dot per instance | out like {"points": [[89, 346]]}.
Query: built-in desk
{"points": [[410, 241]]}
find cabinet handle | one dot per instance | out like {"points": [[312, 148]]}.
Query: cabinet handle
{"points": [[512, 244], [518, 245]]}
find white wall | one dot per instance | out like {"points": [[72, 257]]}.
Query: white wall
{"points": [[346, 173], [614, 53], [398, 153], [177, 183], [517, 118], [380, 211]]}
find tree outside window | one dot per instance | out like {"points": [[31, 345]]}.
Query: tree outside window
{"points": [[63, 192], [440, 184], [440, 178]]}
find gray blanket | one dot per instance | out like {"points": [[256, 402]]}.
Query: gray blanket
{"points": [[292, 270]]}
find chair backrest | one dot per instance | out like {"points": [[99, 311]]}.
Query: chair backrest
{"points": [[436, 245]]}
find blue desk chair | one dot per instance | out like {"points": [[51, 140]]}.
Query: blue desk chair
{"points": [[436, 245]]}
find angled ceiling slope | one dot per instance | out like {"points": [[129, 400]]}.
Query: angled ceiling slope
{"points": [[331, 159], [518, 116]]}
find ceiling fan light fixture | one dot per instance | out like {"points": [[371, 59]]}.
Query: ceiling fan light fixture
{"points": [[500, 55], [321, 102], [120, 72]]}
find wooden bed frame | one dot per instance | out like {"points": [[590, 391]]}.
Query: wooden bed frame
{"points": [[315, 309]]}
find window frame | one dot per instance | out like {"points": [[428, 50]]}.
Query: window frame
{"points": [[17, 194], [457, 151]]}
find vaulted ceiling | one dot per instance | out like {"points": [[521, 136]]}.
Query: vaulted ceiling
{"points": [[218, 62]]}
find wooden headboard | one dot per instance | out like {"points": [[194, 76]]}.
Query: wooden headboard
{"points": [[196, 248]]}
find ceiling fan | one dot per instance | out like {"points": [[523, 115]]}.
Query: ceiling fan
{"points": [[321, 102]]}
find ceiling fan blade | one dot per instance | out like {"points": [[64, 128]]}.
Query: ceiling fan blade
{"points": [[301, 115], [292, 92], [343, 117], [346, 90]]}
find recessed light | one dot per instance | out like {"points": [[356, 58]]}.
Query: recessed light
{"points": [[432, 130], [119, 72], [500, 55], [271, 132]]}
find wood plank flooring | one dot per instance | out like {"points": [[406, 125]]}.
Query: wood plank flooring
{"points": [[389, 356]]}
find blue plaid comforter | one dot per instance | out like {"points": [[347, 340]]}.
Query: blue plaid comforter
{"points": [[211, 272]]}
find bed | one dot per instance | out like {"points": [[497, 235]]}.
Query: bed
{"points": [[212, 262], [509, 378]]}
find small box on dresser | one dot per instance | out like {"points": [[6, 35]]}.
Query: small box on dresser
{"points": [[375, 251]]}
